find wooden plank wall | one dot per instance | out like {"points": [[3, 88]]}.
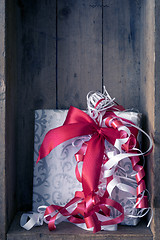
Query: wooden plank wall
{"points": [[2, 121], [155, 173], [11, 110], [121, 55], [79, 51], [147, 86], [150, 99], [59, 50], [36, 88], [60, 61], [65, 49]]}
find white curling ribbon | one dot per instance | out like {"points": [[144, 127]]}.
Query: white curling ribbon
{"points": [[115, 182], [111, 154], [126, 188], [119, 142], [42, 208], [112, 184], [117, 158], [80, 140], [94, 97], [96, 113], [141, 213], [108, 173], [36, 219]]}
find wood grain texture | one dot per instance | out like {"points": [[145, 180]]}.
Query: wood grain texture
{"points": [[68, 231], [147, 88], [150, 99], [156, 173], [121, 58], [11, 108], [2, 122], [36, 21], [64, 50], [79, 49]]}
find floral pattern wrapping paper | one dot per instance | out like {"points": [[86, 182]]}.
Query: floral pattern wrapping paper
{"points": [[54, 180]]}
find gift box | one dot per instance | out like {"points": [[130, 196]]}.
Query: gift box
{"points": [[54, 179], [88, 170]]}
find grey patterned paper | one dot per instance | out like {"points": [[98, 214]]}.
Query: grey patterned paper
{"points": [[54, 180]]}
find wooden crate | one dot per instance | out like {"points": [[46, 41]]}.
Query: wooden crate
{"points": [[52, 53]]}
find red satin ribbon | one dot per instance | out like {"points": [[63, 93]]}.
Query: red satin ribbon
{"points": [[113, 121], [85, 212], [77, 124]]}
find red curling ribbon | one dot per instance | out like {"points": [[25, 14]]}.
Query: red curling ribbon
{"points": [[99, 102], [113, 121], [92, 221], [78, 176], [88, 216], [143, 202], [79, 156]]}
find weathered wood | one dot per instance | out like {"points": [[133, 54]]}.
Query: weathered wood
{"points": [[64, 50], [68, 231], [11, 107], [121, 58], [79, 49], [147, 75], [149, 101], [36, 88], [2, 122], [156, 172]]}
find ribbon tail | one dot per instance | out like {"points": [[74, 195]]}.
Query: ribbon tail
{"points": [[61, 134], [92, 164]]}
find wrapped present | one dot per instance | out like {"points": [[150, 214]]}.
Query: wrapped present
{"points": [[109, 187], [54, 179]]}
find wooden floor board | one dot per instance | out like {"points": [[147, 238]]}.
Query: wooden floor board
{"points": [[68, 231]]}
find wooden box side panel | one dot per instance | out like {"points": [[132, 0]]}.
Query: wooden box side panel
{"points": [[36, 86], [64, 50], [2, 121]]}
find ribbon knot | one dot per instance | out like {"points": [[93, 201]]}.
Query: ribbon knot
{"points": [[91, 200], [99, 130]]}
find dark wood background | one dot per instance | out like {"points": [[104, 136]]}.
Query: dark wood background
{"points": [[59, 50], [67, 49]]}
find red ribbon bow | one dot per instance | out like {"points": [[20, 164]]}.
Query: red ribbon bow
{"points": [[78, 123]]}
